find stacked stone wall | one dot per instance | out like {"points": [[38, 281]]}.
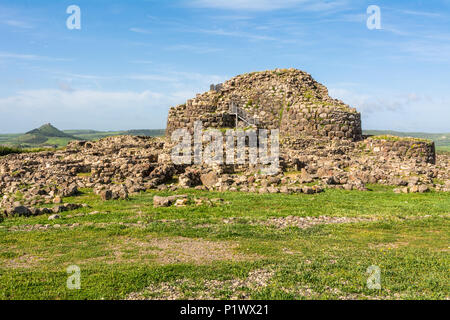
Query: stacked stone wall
{"points": [[322, 122], [288, 100], [402, 148]]}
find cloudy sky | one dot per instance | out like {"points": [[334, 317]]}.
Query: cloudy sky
{"points": [[132, 60]]}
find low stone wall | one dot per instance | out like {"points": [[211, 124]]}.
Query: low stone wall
{"points": [[403, 148], [322, 122], [179, 119]]}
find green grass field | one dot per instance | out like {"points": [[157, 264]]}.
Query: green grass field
{"points": [[128, 249], [444, 149], [5, 139]]}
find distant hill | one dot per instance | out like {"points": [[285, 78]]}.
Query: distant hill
{"points": [[49, 136], [46, 135], [30, 138], [47, 130]]}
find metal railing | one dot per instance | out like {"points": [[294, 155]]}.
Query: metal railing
{"points": [[242, 114]]}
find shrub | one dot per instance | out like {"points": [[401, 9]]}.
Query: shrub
{"points": [[14, 150], [8, 150]]}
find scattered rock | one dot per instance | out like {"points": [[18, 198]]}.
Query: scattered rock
{"points": [[209, 179], [21, 211], [168, 201], [190, 178], [308, 190], [181, 202], [161, 202], [57, 200], [106, 195]]}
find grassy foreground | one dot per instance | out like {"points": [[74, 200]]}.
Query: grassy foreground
{"points": [[128, 249]]}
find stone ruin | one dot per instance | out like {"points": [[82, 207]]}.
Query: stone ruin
{"points": [[216, 87], [293, 102], [321, 146], [289, 100]]}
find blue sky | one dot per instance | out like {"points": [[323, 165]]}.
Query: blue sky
{"points": [[132, 60]]}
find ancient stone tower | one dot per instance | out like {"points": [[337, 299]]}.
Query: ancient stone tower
{"points": [[289, 100]]}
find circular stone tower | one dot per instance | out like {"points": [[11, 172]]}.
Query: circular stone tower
{"points": [[286, 99]]}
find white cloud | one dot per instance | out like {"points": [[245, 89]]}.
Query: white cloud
{"points": [[79, 100], [422, 13], [150, 77], [18, 24], [168, 76], [368, 103], [85, 76], [140, 30], [428, 50], [198, 49], [7, 55], [409, 112], [65, 86], [85, 109], [141, 61], [29, 57], [69, 108], [269, 5], [236, 34]]}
